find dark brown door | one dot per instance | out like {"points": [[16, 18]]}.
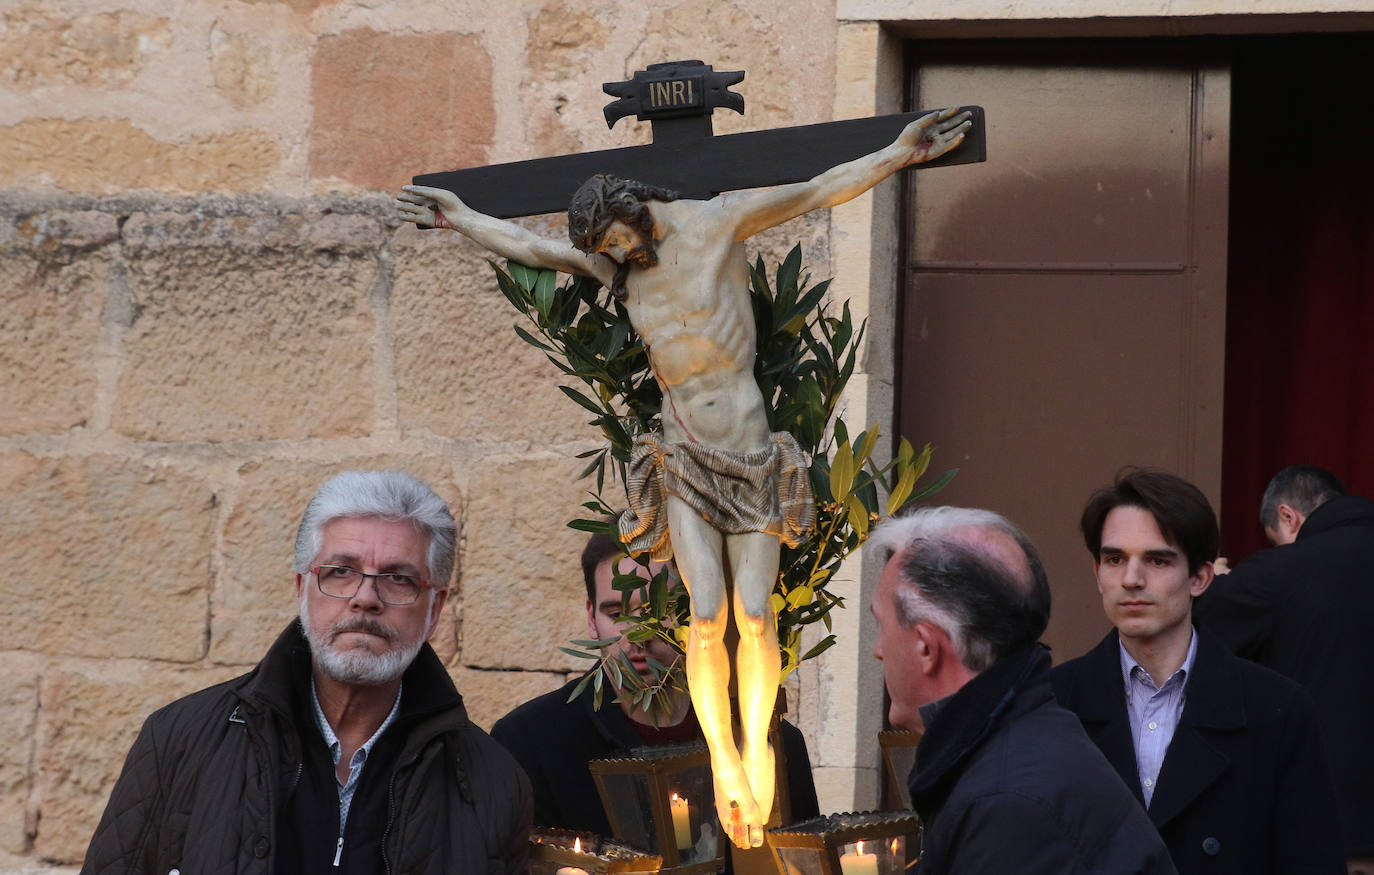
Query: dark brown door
{"points": [[1064, 303]]}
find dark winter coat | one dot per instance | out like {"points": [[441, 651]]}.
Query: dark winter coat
{"points": [[203, 785], [1007, 781], [1244, 787], [1305, 610]]}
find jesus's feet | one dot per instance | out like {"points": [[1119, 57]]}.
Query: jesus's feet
{"points": [[739, 814]]}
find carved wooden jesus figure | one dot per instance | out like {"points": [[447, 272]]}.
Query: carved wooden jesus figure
{"points": [[715, 489]]}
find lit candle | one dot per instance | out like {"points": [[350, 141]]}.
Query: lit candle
{"points": [[856, 862], [573, 870], [682, 821]]}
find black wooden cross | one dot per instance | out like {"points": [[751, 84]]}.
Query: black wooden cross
{"points": [[677, 99]]}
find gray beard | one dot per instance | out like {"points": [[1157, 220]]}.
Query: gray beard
{"points": [[356, 667]]}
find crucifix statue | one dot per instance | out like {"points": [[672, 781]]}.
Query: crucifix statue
{"points": [[715, 489]]}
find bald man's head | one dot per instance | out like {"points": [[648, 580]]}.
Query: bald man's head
{"points": [[970, 572]]}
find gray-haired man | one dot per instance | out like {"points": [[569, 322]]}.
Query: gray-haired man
{"points": [[347, 748], [1005, 779]]}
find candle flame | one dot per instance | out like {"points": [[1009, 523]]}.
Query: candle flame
{"points": [[577, 845], [894, 847], [676, 798], [861, 848]]}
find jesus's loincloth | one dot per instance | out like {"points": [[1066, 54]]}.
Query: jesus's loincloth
{"points": [[764, 490]]}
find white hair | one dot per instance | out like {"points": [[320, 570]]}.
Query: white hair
{"points": [[390, 495], [961, 577]]}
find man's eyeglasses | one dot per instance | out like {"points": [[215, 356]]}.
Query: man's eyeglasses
{"points": [[342, 582]]}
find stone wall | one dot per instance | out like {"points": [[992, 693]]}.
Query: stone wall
{"points": [[206, 308]]}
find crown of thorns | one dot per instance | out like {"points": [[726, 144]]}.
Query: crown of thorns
{"points": [[601, 200]]}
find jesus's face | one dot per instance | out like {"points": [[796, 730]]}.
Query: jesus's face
{"points": [[624, 244]]}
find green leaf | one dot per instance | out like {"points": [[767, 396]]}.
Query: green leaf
{"points": [[867, 441], [532, 340], [525, 276], [821, 646], [841, 472], [922, 461], [579, 653], [581, 399], [596, 642], [582, 684], [593, 526], [932, 488], [899, 493], [858, 515]]}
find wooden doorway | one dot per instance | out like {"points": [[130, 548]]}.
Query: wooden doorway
{"points": [[1063, 304]]}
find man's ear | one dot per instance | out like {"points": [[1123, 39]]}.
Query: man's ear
{"points": [[929, 649], [1290, 521], [436, 610], [1198, 583]]}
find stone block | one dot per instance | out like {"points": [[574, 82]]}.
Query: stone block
{"points": [[53, 273], [255, 596], [243, 67], [565, 51], [41, 47], [90, 715], [115, 557], [490, 695], [461, 371], [19, 673], [389, 106], [110, 156], [523, 595], [248, 327]]}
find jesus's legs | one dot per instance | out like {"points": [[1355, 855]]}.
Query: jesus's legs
{"points": [[753, 561], [697, 550]]}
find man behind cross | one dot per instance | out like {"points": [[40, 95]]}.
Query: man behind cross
{"points": [[715, 490], [1005, 779], [1225, 756], [347, 749], [554, 739], [1303, 609]]}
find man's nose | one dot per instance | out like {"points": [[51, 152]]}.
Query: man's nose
{"points": [[366, 598], [1134, 575]]}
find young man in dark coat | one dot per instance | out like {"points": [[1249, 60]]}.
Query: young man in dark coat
{"points": [[1224, 755], [1304, 610], [554, 739], [1005, 779], [347, 749]]}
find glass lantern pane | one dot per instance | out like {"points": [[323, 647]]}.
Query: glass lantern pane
{"points": [[695, 827], [800, 861], [631, 810]]}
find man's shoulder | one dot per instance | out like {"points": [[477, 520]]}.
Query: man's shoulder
{"points": [[1084, 676], [542, 714], [209, 704]]}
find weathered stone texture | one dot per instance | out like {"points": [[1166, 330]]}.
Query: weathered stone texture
{"points": [[53, 273], [18, 723], [90, 715], [523, 595], [107, 156], [39, 46], [243, 67], [461, 371], [564, 49], [276, 303], [490, 695], [115, 557], [256, 596], [388, 106]]}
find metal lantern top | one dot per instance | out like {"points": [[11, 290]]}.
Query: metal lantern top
{"points": [[556, 851], [850, 843]]}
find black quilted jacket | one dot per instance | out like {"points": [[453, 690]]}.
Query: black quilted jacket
{"points": [[201, 785]]}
